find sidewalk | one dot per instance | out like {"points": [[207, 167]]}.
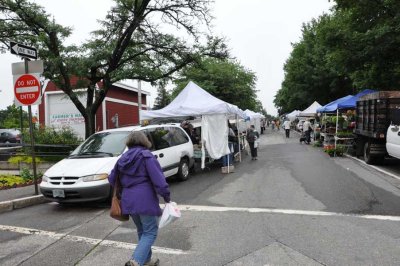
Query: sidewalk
{"points": [[16, 198]]}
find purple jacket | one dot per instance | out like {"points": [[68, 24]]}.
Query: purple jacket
{"points": [[142, 179]]}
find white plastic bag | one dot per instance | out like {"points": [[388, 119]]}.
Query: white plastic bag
{"points": [[256, 142], [170, 214]]}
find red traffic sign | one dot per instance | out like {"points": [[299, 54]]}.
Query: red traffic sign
{"points": [[27, 89]]}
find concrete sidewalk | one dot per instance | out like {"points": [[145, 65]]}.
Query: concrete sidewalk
{"points": [[16, 198]]}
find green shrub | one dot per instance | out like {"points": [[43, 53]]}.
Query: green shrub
{"points": [[11, 180], [26, 175], [24, 159], [51, 135]]}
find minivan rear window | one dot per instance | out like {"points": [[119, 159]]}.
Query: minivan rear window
{"points": [[105, 144]]}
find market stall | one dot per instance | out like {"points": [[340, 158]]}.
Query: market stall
{"points": [[214, 113]]}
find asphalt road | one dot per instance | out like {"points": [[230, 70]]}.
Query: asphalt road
{"points": [[294, 206]]}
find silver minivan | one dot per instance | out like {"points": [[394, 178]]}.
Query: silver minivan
{"points": [[83, 175]]}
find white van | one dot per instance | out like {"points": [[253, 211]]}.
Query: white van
{"points": [[393, 136], [83, 175]]}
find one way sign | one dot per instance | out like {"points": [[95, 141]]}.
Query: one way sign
{"points": [[23, 50]]}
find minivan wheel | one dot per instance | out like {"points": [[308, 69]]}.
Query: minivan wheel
{"points": [[183, 171]]}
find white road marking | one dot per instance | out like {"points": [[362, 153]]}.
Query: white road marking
{"points": [[285, 211], [88, 240], [376, 168]]}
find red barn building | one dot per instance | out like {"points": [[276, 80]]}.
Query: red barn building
{"points": [[119, 108]]}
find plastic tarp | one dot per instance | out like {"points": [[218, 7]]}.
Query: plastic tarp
{"points": [[292, 116], [214, 136], [333, 106], [351, 102], [311, 110], [193, 101]]}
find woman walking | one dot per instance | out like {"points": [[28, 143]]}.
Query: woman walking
{"points": [[141, 180], [252, 136]]}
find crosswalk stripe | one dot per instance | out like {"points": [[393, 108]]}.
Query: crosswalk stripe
{"points": [[285, 211], [88, 240]]}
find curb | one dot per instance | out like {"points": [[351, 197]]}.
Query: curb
{"points": [[21, 203]]}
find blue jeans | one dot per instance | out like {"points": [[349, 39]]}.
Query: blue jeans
{"points": [[228, 156], [147, 229]]}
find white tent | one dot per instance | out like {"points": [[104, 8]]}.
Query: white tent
{"points": [[311, 110], [194, 101], [292, 116], [254, 119]]}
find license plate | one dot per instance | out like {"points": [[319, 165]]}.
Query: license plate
{"points": [[58, 193]]}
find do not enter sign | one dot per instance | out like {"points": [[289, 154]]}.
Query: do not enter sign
{"points": [[27, 89]]}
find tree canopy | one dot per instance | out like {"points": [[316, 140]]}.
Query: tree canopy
{"points": [[355, 47], [134, 41], [225, 79]]}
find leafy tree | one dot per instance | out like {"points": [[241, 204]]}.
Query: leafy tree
{"points": [[134, 41], [11, 117], [371, 42], [313, 71], [163, 98], [356, 47], [224, 79]]}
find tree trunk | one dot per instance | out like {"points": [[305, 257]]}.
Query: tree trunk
{"points": [[90, 125]]}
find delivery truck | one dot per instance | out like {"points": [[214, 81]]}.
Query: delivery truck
{"points": [[377, 126]]}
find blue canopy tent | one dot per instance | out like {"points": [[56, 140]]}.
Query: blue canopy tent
{"points": [[333, 106], [351, 102]]}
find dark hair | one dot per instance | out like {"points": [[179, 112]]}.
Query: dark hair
{"points": [[137, 138]]}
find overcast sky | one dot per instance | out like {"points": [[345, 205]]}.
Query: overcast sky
{"points": [[259, 35]]}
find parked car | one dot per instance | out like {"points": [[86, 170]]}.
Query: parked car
{"points": [[83, 175], [10, 136]]}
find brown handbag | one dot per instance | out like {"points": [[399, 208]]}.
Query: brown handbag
{"points": [[115, 210]]}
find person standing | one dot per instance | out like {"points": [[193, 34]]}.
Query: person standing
{"points": [[272, 124], [286, 126], [252, 136], [227, 160], [141, 179], [307, 130], [278, 124]]}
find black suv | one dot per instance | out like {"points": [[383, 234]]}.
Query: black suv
{"points": [[10, 136]]}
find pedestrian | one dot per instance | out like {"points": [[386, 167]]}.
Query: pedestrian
{"points": [[272, 124], [307, 130], [252, 137], [278, 124], [227, 160], [141, 180], [286, 126]]}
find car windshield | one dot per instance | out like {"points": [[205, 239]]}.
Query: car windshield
{"points": [[106, 144]]}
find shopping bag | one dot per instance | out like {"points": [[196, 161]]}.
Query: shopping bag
{"points": [[115, 210], [170, 214], [256, 143]]}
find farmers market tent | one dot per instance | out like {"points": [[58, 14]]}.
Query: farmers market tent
{"points": [[333, 106], [292, 116], [311, 110], [351, 102], [254, 118], [194, 101]]}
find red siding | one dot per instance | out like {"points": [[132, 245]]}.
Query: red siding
{"points": [[127, 114]]}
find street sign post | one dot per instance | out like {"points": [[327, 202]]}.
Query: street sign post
{"points": [[23, 50], [27, 89]]}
